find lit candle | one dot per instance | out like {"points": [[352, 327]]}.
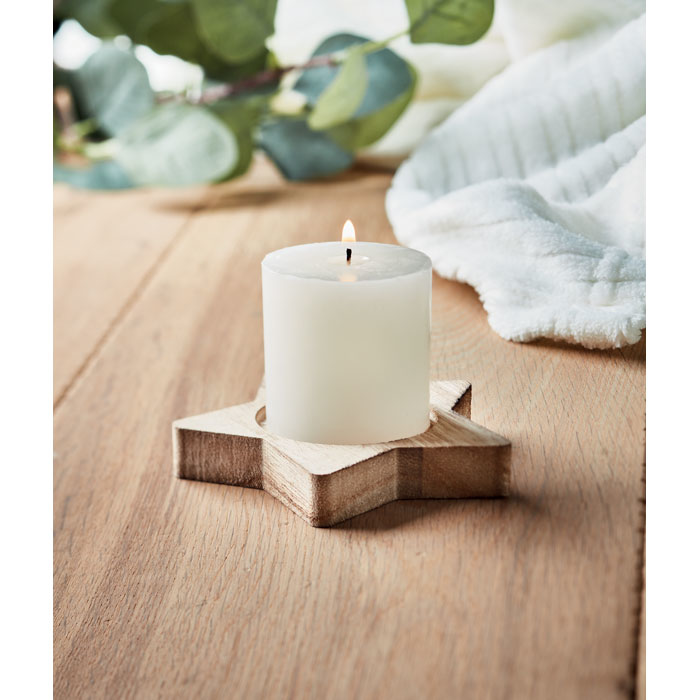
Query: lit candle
{"points": [[347, 341]]}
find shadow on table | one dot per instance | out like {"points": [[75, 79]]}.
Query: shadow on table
{"points": [[269, 189], [465, 297], [227, 200], [404, 513], [632, 353]]}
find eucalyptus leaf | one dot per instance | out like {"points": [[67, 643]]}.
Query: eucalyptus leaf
{"points": [[132, 15], [221, 71], [363, 131], [235, 30], [177, 145], [113, 88], [390, 86], [301, 153], [169, 28], [94, 16], [104, 175], [240, 116], [63, 76], [448, 21], [341, 99]]}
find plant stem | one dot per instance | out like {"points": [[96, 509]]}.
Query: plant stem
{"points": [[372, 46], [221, 92]]}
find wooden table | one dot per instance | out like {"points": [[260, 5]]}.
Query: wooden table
{"points": [[176, 589]]}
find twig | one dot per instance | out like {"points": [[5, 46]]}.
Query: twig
{"points": [[271, 75], [220, 92]]}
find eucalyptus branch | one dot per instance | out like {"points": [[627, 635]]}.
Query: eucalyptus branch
{"points": [[310, 128], [272, 75]]}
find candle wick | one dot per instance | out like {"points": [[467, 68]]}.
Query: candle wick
{"points": [[348, 255]]}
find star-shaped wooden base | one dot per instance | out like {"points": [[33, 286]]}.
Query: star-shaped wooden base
{"points": [[326, 484]]}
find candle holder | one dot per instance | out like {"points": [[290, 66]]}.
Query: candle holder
{"points": [[326, 484]]}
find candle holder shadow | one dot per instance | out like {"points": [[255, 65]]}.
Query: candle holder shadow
{"points": [[326, 484]]}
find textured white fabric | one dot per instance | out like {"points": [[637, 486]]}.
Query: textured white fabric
{"points": [[448, 75], [533, 192]]}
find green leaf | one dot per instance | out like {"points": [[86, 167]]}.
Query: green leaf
{"points": [[134, 16], [177, 145], [94, 16], [114, 89], [299, 152], [448, 21], [341, 99], [363, 131], [235, 30], [240, 116], [390, 86], [222, 71], [63, 76], [105, 175], [169, 28]]}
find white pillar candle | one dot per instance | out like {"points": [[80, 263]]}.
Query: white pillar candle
{"points": [[347, 344]]}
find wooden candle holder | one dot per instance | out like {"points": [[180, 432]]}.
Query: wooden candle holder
{"points": [[326, 484]]}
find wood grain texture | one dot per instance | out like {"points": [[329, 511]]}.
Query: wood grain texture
{"points": [[165, 588], [105, 247], [327, 484], [642, 650]]}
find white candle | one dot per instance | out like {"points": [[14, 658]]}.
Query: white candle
{"points": [[347, 345]]}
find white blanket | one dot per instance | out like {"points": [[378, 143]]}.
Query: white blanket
{"points": [[533, 192]]}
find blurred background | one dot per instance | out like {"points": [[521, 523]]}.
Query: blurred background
{"points": [[196, 85], [530, 107]]}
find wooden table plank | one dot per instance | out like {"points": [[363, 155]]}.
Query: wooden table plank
{"points": [[182, 589], [106, 244], [642, 650]]}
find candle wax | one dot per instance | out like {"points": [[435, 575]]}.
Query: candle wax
{"points": [[347, 346]]}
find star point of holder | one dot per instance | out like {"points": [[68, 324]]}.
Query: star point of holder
{"points": [[326, 484]]}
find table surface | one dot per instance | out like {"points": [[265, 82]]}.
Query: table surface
{"points": [[177, 589]]}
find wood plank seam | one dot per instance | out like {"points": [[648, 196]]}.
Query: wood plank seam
{"points": [[639, 629], [129, 303]]}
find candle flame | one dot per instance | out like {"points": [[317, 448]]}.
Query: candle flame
{"points": [[348, 232]]}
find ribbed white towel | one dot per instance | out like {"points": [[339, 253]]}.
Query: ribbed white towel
{"points": [[533, 192]]}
